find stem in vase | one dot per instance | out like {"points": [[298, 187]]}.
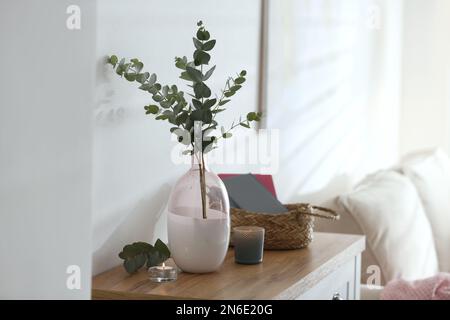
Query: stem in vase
{"points": [[201, 166]]}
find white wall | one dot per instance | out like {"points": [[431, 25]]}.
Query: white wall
{"points": [[45, 148], [132, 168], [425, 119]]}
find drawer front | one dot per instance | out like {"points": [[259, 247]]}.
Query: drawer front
{"points": [[341, 284]]}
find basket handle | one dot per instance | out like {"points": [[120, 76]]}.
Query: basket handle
{"points": [[315, 211]]}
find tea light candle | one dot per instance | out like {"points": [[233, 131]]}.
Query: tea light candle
{"points": [[248, 245], [162, 273]]}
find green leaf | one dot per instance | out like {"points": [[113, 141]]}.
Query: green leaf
{"points": [[201, 57], [251, 116], [157, 98], [197, 103], [180, 63], [198, 44], [120, 70], [209, 45], [209, 103], [174, 89], [165, 90], [185, 76], [227, 135], [223, 102], [235, 88], [154, 259], [204, 115], [153, 90], [142, 77], [162, 249], [202, 34], [239, 80], [151, 109], [245, 125], [194, 74], [145, 86], [182, 118], [177, 109], [152, 79], [130, 266], [162, 117], [113, 60], [218, 110], [201, 90], [137, 254], [229, 93], [165, 104], [209, 73], [243, 73], [138, 65], [130, 76]]}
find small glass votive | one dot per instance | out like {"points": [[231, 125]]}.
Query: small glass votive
{"points": [[248, 245], [163, 273]]}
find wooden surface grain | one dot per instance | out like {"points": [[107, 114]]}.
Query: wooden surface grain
{"points": [[282, 275]]}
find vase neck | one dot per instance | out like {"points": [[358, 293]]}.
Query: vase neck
{"points": [[196, 160]]}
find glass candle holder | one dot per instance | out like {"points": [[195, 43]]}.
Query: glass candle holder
{"points": [[163, 273], [248, 245]]}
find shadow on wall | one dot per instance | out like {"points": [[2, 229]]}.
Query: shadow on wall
{"points": [[128, 225]]}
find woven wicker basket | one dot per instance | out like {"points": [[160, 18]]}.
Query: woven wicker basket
{"points": [[283, 231]]}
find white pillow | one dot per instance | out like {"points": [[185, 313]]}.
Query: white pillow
{"points": [[431, 176], [388, 209]]}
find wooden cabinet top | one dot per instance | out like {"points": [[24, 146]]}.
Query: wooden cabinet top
{"points": [[281, 275]]}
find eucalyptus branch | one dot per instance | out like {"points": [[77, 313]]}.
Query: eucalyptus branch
{"points": [[170, 104]]}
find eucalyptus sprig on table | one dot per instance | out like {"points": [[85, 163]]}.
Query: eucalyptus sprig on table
{"points": [[171, 104], [138, 254]]}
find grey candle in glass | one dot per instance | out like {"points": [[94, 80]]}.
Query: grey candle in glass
{"points": [[248, 244]]}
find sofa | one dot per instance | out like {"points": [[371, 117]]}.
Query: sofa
{"points": [[404, 212]]}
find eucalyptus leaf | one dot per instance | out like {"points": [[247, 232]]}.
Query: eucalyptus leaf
{"points": [[130, 266], [209, 73], [165, 104], [195, 74], [235, 87], [239, 80], [185, 76], [229, 93], [157, 98], [198, 44], [209, 103], [201, 57], [202, 34], [162, 249], [223, 102], [197, 104], [209, 45], [201, 90], [152, 79], [113, 60], [152, 109]]}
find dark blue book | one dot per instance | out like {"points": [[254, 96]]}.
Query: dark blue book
{"points": [[247, 193]]}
